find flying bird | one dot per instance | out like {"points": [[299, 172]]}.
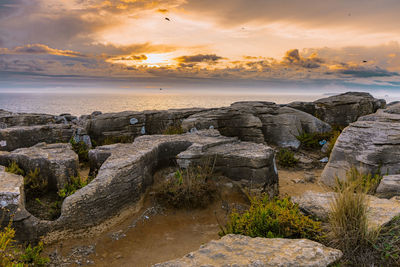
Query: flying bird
{"points": [[167, 19], [365, 61]]}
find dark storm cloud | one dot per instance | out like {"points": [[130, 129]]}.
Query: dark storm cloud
{"points": [[367, 73], [210, 58]]}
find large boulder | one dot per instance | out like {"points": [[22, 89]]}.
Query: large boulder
{"points": [[127, 125], [56, 162], [371, 144], [27, 136], [244, 251], [380, 211], [258, 122], [341, 110]]}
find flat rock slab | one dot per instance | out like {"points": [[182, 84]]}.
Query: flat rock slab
{"points": [[56, 162], [389, 186], [380, 211], [241, 251]]}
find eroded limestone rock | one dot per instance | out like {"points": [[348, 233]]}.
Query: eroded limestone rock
{"points": [[56, 162], [244, 251], [389, 186], [258, 122], [371, 144], [27, 136], [343, 109]]}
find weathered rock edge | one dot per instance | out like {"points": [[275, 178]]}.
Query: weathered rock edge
{"points": [[241, 251]]}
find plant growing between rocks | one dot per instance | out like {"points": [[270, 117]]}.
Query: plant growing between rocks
{"points": [[286, 158], [174, 129], [348, 223], [272, 218], [367, 183], [81, 149], [188, 188], [14, 168], [14, 255]]}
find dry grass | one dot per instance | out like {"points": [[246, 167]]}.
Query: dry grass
{"points": [[348, 224]]}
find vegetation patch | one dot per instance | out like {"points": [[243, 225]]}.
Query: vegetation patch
{"points": [[12, 254], [188, 188], [81, 149], [332, 141], [109, 140], [174, 129], [14, 168], [285, 158], [272, 218]]}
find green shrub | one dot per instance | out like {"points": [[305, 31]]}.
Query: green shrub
{"points": [[174, 129], [368, 183], [14, 168], [189, 188], [12, 255], [311, 140], [74, 184], [348, 225], [286, 158], [81, 149], [277, 217], [34, 183]]}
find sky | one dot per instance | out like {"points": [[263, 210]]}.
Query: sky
{"points": [[337, 45]]}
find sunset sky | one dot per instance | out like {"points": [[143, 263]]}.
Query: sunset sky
{"points": [[122, 43]]}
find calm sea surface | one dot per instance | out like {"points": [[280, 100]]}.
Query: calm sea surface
{"points": [[86, 103]]}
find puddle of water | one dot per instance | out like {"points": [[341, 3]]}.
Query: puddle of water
{"points": [[150, 237]]}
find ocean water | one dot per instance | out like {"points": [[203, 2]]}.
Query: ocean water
{"points": [[85, 103], [80, 103]]}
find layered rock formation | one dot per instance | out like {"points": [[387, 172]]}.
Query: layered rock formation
{"points": [[371, 144], [341, 110], [56, 162], [11, 193], [125, 171], [258, 122], [389, 186], [129, 124], [244, 251]]}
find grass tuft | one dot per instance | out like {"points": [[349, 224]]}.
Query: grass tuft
{"points": [[14, 168], [173, 129]]}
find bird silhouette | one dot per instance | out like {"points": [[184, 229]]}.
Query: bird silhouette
{"points": [[365, 61], [167, 19]]}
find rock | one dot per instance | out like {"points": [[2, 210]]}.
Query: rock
{"points": [[325, 147], [27, 136], [56, 162], [11, 193], [126, 170], [380, 211], [129, 124], [258, 122], [389, 186], [11, 119], [341, 110], [241, 251], [371, 144]]}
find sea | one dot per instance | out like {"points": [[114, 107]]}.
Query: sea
{"points": [[80, 103]]}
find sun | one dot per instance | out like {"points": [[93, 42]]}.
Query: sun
{"points": [[157, 59], [148, 60]]}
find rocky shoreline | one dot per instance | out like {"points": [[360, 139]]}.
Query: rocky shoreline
{"points": [[127, 148]]}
